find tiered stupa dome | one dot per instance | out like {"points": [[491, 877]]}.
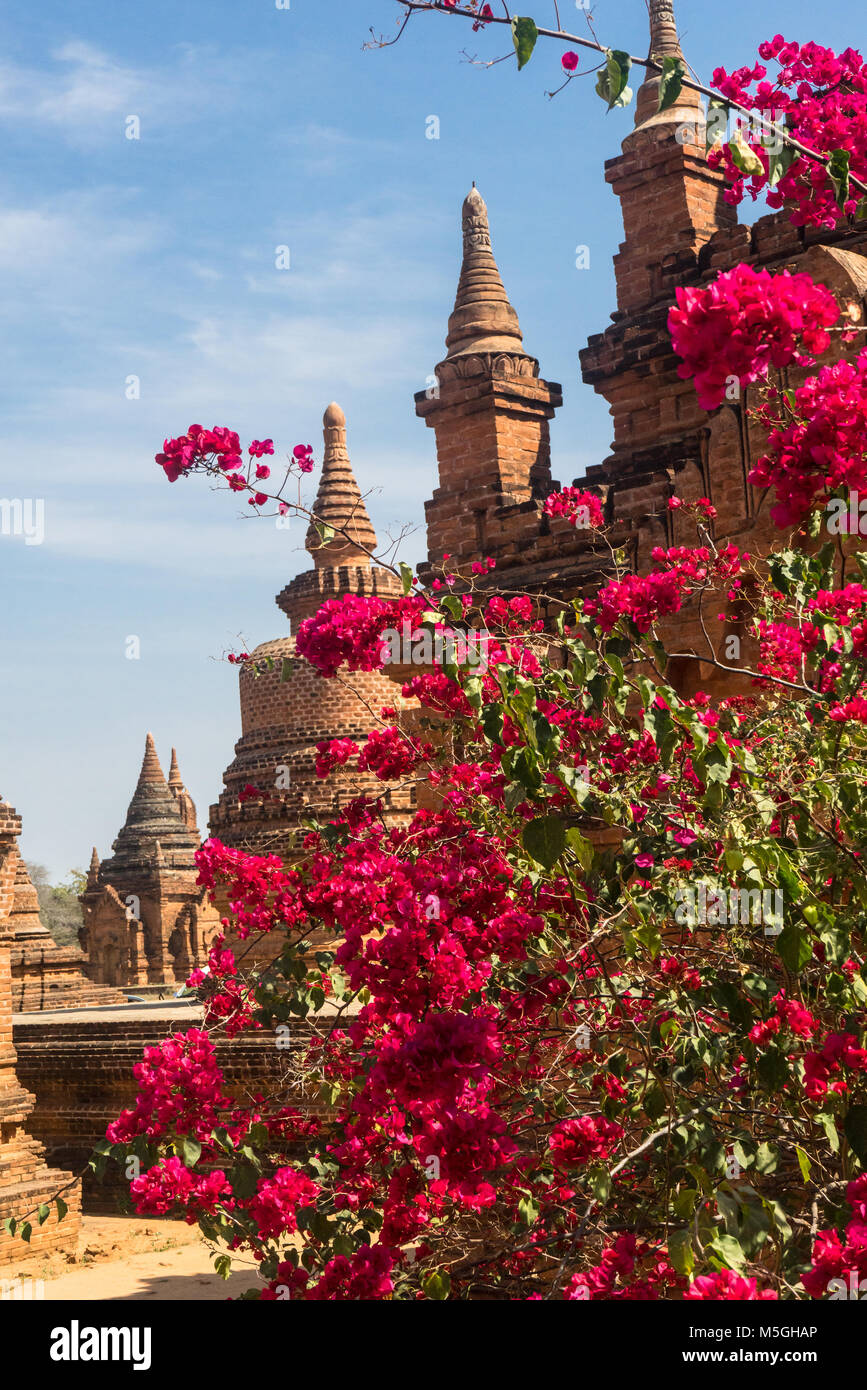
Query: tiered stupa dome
{"points": [[282, 720]]}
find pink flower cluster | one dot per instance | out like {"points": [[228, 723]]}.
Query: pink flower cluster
{"points": [[744, 322], [219, 445], [823, 449], [332, 753], [581, 508], [169, 1184], [583, 1140], [836, 1259], [788, 1014], [645, 598], [180, 1089], [348, 631], [275, 1205], [358, 1278], [839, 1050], [390, 754], [614, 1277], [726, 1287], [821, 97]]}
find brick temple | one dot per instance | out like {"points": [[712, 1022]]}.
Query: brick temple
{"points": [[490, 415], [146, 920]]}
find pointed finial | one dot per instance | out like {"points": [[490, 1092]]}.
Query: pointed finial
{"points": [[664, 43], [151, 772], [183, 800], [339, 504], [483, 319]]}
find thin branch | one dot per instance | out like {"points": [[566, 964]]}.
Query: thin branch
{"points": [[653, 67]]}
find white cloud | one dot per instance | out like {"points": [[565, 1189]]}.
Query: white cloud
{"points": [[86, 93]]}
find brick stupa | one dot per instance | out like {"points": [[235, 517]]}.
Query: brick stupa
{"points": [[44, 974], [146, 919], [26, 1182], [287, 710]]}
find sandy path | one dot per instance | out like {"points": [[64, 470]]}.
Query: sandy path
{"points": [[123, 1258]]}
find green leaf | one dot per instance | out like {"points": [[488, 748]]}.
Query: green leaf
{"points": [[544, 839], [829, 1126], [600, 1184], [406, 576], [794, 948], [581, 847], [717, 120], [528, 1210], [611, 82], [26, 1232], [729, 1251], [648, 691], [745, 158], [855, 1129], [779, 163], [671, 82], [437, 1284], [767, 1159], [191, 1150], [223, 1265], [838, 173], [524, 36], [773, 1069], [654, 1102], [680, 1251], [43, 1212], [804, 1164], [10, 1225]]}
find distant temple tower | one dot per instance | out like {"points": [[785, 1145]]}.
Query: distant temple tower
{"points": [[44, 974], [146, 920], [287, 710]]}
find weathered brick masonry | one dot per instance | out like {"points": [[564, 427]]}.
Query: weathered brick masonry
{"points": [[26, 1181]]}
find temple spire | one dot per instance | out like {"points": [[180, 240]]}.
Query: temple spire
{"points": [[185, 803], [339, 503], [663, 30], [664, 43], [483, 319], [151, 773], [93, 871]]}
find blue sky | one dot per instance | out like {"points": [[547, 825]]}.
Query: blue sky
{"points": [[155, 258]]}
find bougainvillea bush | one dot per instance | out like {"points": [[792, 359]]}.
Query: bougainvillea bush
{"points": [[590, 1024]]}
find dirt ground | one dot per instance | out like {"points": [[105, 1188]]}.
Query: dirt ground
{"points": [[128, 1258]]}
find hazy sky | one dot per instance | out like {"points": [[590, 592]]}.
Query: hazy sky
{"points": [[155, 258]]}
